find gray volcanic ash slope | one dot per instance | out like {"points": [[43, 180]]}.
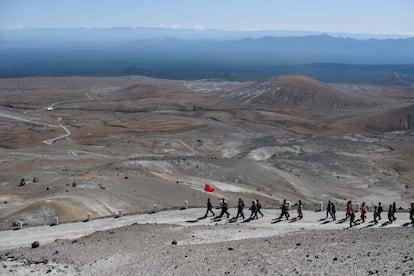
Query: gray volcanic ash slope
{"points": [[296, 91]]}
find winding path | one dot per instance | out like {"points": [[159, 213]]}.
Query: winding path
{"points": [[48, 141]]}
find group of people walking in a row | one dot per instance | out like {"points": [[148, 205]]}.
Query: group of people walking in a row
{"points": [[255, 209], [392, 209]]}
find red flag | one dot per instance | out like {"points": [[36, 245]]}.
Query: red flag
{"points": [[208, 188]]}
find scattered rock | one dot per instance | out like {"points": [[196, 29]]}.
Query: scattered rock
{"points": [[174, 242], [298, 244], [36, 179], [35, 244], [22, 182], [74, 184], [335, 259], [231, 248], [126, 177]]}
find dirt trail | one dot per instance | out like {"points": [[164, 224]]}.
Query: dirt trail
{"points": [[263, 227]]}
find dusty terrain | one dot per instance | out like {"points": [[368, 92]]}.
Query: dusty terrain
{"points": [[97, 145], [206, 246], [70, 146]]}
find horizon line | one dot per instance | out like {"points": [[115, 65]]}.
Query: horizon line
{"points": [[198, 29]]}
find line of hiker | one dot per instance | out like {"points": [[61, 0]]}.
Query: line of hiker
{"points": [[256, 207], [392, 209]]}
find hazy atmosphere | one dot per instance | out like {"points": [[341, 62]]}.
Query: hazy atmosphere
{"points": [[206, 137], [355, 16]]}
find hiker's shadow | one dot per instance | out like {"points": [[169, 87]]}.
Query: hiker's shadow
{"points": [[216, 219], [196, 220], [385, 223], [325, 222], [276, 220], [294, 219], [341, 221], [247, 220], [372, 224], [405, 224], [233, 220]]}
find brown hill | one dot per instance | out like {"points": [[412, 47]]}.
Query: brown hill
{"points": [[393, 120], [298, 91], [396, 79]]}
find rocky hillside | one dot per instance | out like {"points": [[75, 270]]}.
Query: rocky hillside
{"points": [[295, 91]]}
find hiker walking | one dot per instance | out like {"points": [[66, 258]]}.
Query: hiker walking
{"points": [[390, 214], [258, 208], [348, 209], [284, 209], [412, 213], [379, 210], [351, 218], [328, 210], [253, 208], [375, 214], [333, 211], [394, 210], [209, 208], [363, 212], [224, 208], [240, 207], [300, 214]]}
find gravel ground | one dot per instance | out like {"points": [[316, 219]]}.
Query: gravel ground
{"points": [[148, 249]]}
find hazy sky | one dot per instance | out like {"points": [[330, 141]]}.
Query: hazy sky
{"points": [[351, 16]]}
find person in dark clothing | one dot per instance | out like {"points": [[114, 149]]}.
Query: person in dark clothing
{"points": [[300, 214], [412, 213], [284, 209], [379, 210], [209, 208], [363, 212], [333, 211], [390, 214], [394, 210], [258, 208], [328, 210], [375, 214], [253, 208], [240, 207], [351, 218], [224, 208], [348, 209]]}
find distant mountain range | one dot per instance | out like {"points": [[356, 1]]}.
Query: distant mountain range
{"points": [[192, 54], [127, 33]]}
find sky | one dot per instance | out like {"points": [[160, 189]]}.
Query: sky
{"points": [[341, 16]]}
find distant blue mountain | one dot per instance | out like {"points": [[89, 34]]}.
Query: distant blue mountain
{"points": [[134, 33], [201, 54]]}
